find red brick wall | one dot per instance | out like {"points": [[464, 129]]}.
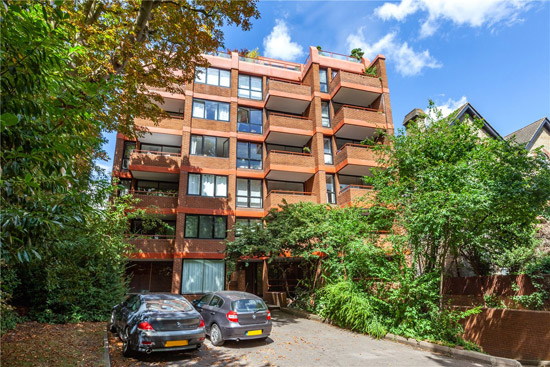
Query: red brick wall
{"points": [[517, 334]]}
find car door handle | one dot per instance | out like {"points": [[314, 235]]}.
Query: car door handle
{"points": [[212, 313]]}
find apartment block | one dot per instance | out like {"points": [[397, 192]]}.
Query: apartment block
{"points": [[244, 136]]}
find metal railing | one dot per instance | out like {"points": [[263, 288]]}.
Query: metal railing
{"points": [[155, 152], [338, 56], [363, 187], [154, 193], [272, 63], [139, 236], [288, 192]]}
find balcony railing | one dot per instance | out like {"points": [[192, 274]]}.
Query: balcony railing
{"points": [[338, 56], [175, 115], [288, 86], [290, 153], [282, 120], [353, 145], [154, 152], [288, 192], [155, 193], [270, 62], [137, 236], [362, 187]]}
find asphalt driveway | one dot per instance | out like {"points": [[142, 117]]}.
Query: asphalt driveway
{"points": [[297, 342]]}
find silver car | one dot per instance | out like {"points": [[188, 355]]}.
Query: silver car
{"points": [[231, 315], [157, 322]]}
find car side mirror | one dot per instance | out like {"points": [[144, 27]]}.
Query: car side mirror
{"points": [[195, 302]]}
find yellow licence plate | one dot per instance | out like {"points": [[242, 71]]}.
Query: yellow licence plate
{"points": [[254, 332], [176, 343]]}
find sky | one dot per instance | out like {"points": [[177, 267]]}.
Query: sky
{"points": [[494, 54]]}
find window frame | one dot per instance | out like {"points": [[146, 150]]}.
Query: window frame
{"points": [[325, 154], [205, 101], [331, 194], [248, 224], [215, 185], [206, 76], [250, 87], [199, 227], [323, 83], [249, 144], [329, 120], [248, 196], [127, 143], [202, 291], [218, 138], [249, 109]]}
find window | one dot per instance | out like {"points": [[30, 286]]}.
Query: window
{"points": [[202, 276], [168, 149], [328, 150], [246, 222], [205, 226], [249, 193], [331, 192], [323, 81], [250, 87], [334, 73], [210, 110], [129, 147], [249, 120], [209, 146], [157, 187], [207, 185], [341, 142], [249, 155], [204, 299], [325, 114], [213, 76], [285, 148], [216, 302], [124, 186]]}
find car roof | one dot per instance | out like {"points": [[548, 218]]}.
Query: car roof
{"points": [[236, 295], [157, 296]]}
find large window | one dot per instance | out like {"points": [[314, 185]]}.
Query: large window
{"points": [[209, 146], [246, 222], [331, 189], [328, 150], [249, 155], [323, 80], [124, 186], [325, 114], [158, 188], [210, 110], [213, 76], [205, 226], [129, 147], [249, 120], [202, 276], [250, 87], [249, 193], [207, 185]]}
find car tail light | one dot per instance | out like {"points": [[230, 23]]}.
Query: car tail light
{"points": [[232, 316], [268, 315], [146, 343], [145, 326], [201, 324]]}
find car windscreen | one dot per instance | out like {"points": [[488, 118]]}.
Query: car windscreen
{"points": [[248, 305], [168, 305]]}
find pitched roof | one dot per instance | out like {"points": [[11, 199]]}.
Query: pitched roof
{"points": [[468, 109], [528, 134]]}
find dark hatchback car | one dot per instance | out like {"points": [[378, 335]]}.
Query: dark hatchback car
{"points": [[157, 322], [231, 315]]}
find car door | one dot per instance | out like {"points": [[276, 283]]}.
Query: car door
{"points": [[127, 310], [214, 309], [199, 306]]}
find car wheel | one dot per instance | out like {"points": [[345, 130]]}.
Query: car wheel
{"points": [[126, 348], [112, 327], [216, 336]]}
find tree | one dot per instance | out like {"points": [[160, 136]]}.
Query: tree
{"points": [[458, 195]]}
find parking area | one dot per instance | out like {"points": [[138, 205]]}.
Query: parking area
{"points": [[296, 342]]}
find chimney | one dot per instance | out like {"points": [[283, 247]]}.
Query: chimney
{"points": [[411, 116]]}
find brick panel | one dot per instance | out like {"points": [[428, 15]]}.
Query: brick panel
{"points": [[155, 160], [355, 152], [165, 246], [281, 86], [296, 160], [276, 120], [214, 125], [158, 201], [275, 198], [212, 90], [171, 123], [354, 194], [362, 80], [372, 118]]}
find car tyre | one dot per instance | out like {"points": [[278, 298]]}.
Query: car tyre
{"points": [[216, 337], [126, 347], [112, 327]]}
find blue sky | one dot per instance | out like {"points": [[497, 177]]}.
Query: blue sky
{"points": [[494, 54]]}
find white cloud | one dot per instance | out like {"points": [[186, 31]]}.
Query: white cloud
{"points": [[450, 106], [407, 61], [278, 44], [474, 13]]}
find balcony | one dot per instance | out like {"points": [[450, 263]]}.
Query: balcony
{"points": [[287, 96], [159, 245], [174, 122], [358, 123], [355, 89], [155, 166], [275, 197], [156, 198], [355, 160], [289, 166], [354, 193], [285, 129]]}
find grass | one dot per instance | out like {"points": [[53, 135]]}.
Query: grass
{"points": [[62, 345]]}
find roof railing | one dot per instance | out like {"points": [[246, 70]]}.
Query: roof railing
{"points": [[338, 56]]}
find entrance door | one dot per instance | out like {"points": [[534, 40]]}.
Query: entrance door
{"points": [[253, 278]]}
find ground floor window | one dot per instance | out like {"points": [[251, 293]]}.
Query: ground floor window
{"points": [[150, 276], [202, 276]]}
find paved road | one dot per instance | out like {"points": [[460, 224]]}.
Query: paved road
{"points": [[300, 342]]}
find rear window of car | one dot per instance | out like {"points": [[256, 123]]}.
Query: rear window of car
{"points": [[248, 305], [168, 305]]}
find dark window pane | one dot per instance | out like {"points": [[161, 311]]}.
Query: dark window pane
{"points": [[209, 147], [196, 145], [206, 225], [242, 150], [191, 226], [219, 227], [211, 110]]}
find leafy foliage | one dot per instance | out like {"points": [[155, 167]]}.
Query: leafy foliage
{"points": [[357, 53]]}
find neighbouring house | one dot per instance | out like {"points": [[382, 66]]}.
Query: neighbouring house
{"points": [[247, 134], [534, 135]]}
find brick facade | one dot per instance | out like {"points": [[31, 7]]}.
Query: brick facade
{"points": [[292, 119]]}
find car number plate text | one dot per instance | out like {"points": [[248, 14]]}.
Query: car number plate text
{"points": [[253, 332], [176, 343]]}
